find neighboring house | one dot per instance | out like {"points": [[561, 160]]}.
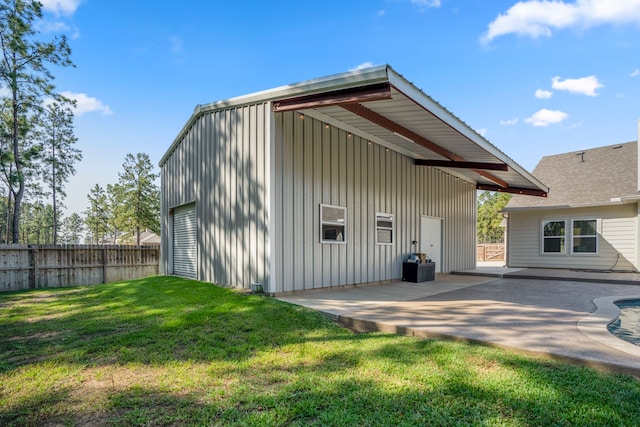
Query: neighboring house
{"points": [[589, 219], [146, 238], [328, 182]]}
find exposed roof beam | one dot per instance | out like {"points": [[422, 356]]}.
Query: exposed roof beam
{"points": [[388, 124], [512, 190], [462, 165], [375, 92]]}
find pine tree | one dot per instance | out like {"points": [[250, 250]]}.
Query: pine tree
{"points": [[59, 154], [72, 229], [97, 214], [24, 73], [138, 196]]}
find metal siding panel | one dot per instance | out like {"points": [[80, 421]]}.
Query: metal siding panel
{"points": [[279, 211], [297, 209], [349, 164], [264, 192], [343, 260], [206, 220], [252, 234], [243, 254], [334, 266], [310, 130], [318, 197]]}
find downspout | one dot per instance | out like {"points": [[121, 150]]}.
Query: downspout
{"points": [[506, 239]]}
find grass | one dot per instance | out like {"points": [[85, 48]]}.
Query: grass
{"points": [[169, 351]]}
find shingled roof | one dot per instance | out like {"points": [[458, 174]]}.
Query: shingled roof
{"points": [[598, 176]]}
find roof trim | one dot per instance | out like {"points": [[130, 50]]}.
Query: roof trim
{"points": [[374, 92], [461, 164]]}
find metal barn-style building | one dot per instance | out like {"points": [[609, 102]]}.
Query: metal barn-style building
{"points": [[327, 182]]}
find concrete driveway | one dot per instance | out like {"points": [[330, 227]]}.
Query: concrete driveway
{"points": [[558, 318]]}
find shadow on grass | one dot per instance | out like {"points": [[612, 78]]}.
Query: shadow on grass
{"points": [[261, 369], [339, 395], [151, 320]]}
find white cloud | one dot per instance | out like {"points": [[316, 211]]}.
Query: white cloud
{"points": [[87, 104], [635, 73], [426, 3], [546, 117], [61, 7], [176, 44], [362, 66], [539, 18], [51, 27], [543, 94], [510, 122], [583, 86], [482, 132]]}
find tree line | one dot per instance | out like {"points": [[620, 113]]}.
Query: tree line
{"points": [[38, 152], [489, 213]]}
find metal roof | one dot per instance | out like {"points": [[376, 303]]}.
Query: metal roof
{"points": [[381, 105]]}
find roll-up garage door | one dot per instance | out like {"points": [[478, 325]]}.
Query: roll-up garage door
{"points": [[185, 250]]}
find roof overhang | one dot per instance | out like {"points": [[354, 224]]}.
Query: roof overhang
{"points": [[396, 114], [380, 105]]}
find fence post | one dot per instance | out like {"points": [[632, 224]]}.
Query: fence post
{"points": [[36, 270], [104, 264]]}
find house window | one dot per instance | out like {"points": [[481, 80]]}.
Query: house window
{"points": [[585, 236], [554, 235], [384, 228], [333, 221]]}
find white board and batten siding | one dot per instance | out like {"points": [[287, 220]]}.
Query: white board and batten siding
{"points": [[221, 163], [316, 164], [616, 240]]}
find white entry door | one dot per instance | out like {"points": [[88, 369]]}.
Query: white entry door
{"points": [[431, 239]]}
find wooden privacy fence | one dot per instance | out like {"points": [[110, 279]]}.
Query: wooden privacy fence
{"points": [[43, 266], [490, 252]]}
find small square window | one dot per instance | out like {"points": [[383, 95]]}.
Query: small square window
{"points": [[333, 221], [384, 228]]}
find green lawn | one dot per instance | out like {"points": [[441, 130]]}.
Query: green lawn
{"points": [[169, 351]]}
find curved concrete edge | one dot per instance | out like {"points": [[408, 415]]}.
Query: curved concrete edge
{"points": [[595, 324]]}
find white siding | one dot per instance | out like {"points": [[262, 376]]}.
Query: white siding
{"points": [[316, 164], [617, 241], [221, 165]]}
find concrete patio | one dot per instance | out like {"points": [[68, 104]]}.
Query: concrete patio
{"points": [[510, 308]]}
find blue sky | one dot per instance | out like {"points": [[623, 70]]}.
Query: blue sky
{"points": [[534, 77]]}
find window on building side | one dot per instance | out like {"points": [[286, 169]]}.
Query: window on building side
{"points": [[384, 228], [585, 236], [333, 221], [554, 235]]}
